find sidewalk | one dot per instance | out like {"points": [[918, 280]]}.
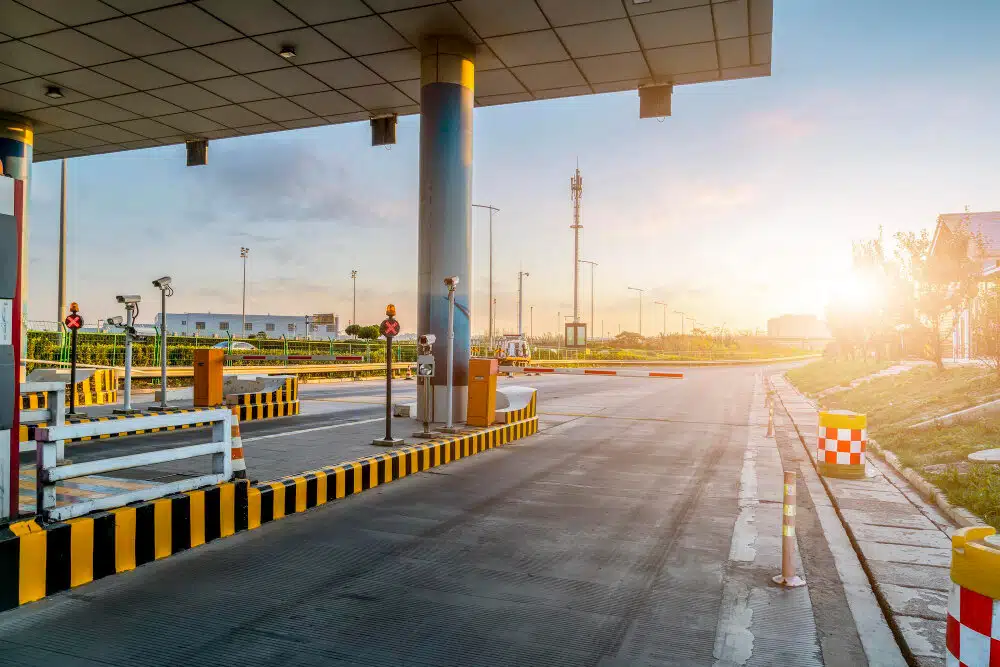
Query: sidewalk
{"points": [[904, 542]]}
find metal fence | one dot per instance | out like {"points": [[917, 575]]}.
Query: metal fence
{"points": [[51, 469]]}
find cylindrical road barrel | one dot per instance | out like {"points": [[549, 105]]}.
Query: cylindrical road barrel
{"points": [[973, 609], [842, 441]]}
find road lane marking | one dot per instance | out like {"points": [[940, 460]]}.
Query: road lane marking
{"points": [[311, 430]]}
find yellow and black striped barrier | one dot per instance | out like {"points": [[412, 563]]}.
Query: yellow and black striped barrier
{"points": [[27, 431], [528, 411], [41, 560], [101, 388], [282, 402]]}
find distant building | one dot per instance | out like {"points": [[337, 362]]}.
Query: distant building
{"points": [[797, 326], [964, 322], [221, 325]]}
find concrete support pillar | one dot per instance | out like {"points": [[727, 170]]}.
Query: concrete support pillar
{"points": [[444, 248], [16, 140]]}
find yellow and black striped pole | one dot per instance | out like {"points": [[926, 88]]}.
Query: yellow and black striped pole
{"points": [[787, 577]]}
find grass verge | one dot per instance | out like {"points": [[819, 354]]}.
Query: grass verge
{"points": [[940, 454], [823, 374]]}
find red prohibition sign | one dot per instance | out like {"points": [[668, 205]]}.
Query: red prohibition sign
{"points": [[389, 328], [74, 321]]}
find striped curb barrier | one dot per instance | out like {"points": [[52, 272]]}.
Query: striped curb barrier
{"points": [[41, 560], [282, 402], [842, 438], [101, 388], [511, 416], [972, 635]]}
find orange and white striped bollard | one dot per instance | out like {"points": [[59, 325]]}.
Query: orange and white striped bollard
{"points": [[787, 577], [239, 463]]}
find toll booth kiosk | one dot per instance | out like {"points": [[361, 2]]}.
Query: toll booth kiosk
{"points": [[482, 391]]}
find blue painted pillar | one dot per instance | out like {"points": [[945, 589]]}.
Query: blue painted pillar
{"points": [[16, 140], [444, 240]]}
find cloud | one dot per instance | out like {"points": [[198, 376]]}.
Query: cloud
{"points": [[787, 124], [291, 183]]}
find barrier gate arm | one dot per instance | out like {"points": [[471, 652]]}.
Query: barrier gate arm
{"points": [[592, 371]]}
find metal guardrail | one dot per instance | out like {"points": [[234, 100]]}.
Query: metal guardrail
{"points": [[305, 369], [293, 357], [49, 470]]}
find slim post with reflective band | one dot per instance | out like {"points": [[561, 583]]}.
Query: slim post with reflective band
{"points": [[842, 441], [16, 140], [446, 102], [787, 577]]}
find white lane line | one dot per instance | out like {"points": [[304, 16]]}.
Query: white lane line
{"points": [[311, 430]]}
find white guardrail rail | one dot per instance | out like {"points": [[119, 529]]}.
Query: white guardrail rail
{"points": [[50, 471]]}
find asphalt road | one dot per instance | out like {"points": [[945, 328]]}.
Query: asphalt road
{"points": [[603, 540]]}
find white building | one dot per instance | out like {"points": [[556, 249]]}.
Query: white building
{"points": [[220, 325]]}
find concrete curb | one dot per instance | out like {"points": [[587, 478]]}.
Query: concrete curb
{"points": [[41, 560], [959, 515]]}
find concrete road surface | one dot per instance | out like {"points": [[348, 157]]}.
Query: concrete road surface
{"points": [[610, 538]]}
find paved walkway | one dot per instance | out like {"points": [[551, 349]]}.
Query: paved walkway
{"points": [[895, 369], [904, 541]]}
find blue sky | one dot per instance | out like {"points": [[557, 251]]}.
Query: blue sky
{"points": [[739, 207]]}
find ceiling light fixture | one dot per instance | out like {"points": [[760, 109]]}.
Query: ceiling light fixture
{"points": [[55, 92], [287, 51]]}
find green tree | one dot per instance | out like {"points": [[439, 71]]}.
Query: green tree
{"points": [[943, 280], [370, 332], [353, 330], [986, 331]]}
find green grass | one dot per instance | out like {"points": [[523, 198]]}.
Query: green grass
{"points": [[894, 403], [823, 374]]}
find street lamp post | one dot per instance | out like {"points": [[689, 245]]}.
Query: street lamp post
{"points": [[244, 253], [682, 314], [491, 209], [521, 275], [640, 290], [660, 303], [531, 321], [354, 307], [592, 265]]}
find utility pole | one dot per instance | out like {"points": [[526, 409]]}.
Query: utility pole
{"points": [[491, 209], [660, 303], [354, 309], [682, 314], [592, 265], [244, 253], [576, 192], [61, 304], [520, 299], [531, 321], [640, 290]]}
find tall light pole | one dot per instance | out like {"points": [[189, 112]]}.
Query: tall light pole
{"points": [[354, 307], [531, 321], [682, 314], [592, 265], [491, 209], [61, 304], [576, 192], [244, 253], [521, 275], [660, 303], [640, 290]]}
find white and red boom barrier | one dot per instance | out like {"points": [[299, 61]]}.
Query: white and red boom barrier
{"points": [[292, 357], [593, 371]]}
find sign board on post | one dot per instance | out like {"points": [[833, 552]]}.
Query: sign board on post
{"points": [[576, 334], [73, 322], [323, 318], [388, 328]]}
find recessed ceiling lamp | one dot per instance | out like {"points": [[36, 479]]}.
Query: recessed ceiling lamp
{"points": [[287, 52], [55, 92]]}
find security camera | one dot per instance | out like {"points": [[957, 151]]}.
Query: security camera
{"points": [[428, 339], [451, 281], [115, 321], [129, 299], [161, 282]]}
